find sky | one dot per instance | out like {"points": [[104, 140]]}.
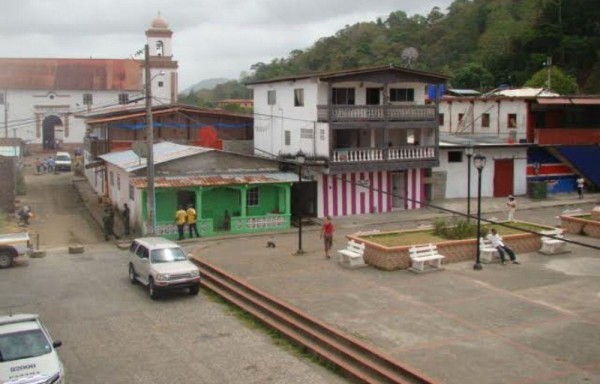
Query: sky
{"points": [[211, 38]]}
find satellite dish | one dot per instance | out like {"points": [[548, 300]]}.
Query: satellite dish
{"points": [[140, 148], [409, 55]]}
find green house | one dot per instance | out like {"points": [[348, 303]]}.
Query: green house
{"points": [[252, 192]]}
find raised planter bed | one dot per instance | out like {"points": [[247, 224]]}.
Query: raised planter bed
{"points": [[581, 224], [396, 257]]}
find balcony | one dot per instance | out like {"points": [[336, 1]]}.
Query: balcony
{"points": [[376, 113], [389, 154]]}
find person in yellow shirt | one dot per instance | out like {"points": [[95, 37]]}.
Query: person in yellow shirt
{"points": [[191, 220], [180, 219]]}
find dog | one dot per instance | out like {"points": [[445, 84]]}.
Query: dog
{"points": [[270, 244]]}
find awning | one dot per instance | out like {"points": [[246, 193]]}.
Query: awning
{"points": [[587, 101], [553, 100]]}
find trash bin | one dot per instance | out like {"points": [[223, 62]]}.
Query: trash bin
{"points": [[537, 190]]}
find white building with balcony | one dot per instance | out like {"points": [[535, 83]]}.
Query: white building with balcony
{"points": [[369, 138]]}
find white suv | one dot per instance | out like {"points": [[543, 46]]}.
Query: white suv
{"points": [[62, 161], [27, 353], [161, 265]]}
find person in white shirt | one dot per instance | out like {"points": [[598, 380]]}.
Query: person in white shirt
{"points": [[512, 207], [580, 184], [497, 243]]}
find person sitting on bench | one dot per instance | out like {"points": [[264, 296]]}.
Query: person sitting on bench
{"points": [[497, 243]]}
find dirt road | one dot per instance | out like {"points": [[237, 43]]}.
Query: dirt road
{"points": [[61, 219]]}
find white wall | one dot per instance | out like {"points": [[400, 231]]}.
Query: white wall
{"points": [[498, 109], [456, 173]]}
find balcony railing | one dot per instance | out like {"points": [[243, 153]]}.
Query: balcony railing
{"points": [[412, 152], [340, 113]]}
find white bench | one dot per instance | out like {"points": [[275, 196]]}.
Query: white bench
{"points": [[553, 245], [425, 258], [352, 255], [487, 252]]}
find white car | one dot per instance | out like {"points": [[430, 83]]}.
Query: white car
{"points": [[27, 352], [161, 265], [62, 161]]}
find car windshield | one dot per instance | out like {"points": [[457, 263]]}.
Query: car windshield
{"points": [[167, 255], [23, 345], [63, 158]]}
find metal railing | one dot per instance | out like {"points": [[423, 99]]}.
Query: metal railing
{"points": [[340, 113], [409, 152]]}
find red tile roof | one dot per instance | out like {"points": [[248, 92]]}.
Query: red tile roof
{"points": [[70, 74]]}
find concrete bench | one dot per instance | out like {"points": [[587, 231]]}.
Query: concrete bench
{"points": [[352, 255], [553, 245], [425, 258], [487, 252]]}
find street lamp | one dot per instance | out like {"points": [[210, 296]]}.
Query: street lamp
{"points": [[150, 142], [469, 153], [479, 162], [300, 159]]}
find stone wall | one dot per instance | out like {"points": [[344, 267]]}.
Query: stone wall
{"points": [[577, 225], [394, 258]]}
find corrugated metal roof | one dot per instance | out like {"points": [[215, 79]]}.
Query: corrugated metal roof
{"points": [[163, 152], [70, 74], [524, 92], [214, 180]]}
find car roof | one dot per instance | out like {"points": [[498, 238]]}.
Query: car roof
{"points": [[156, 242], [19, 318], [63, 154]]}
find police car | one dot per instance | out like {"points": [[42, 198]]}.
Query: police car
{"points": [[27, 353]]}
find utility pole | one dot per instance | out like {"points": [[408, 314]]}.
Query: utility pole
{"points": [[150, 143], [549, 65]]}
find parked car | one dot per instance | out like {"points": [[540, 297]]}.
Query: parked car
{"points": [[27, 352], [13, 245], [62, 161], [161, 265]]}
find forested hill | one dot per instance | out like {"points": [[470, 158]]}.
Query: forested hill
{"points": [[481, 43]]}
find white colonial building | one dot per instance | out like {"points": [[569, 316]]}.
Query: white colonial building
{"points": [[40, 99]]}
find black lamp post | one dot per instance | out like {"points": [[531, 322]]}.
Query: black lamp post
{"points": [[300, 158], [479, 162], [469, 153]]}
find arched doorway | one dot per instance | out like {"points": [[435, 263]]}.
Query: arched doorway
{"points": [[49, 131]]}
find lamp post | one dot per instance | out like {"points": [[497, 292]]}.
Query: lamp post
{"points": [[469, 153], [300, 158], [151, 207], [479, 162]]}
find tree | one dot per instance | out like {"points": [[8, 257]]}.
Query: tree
{"points": [[474, 76], [560, 82]]}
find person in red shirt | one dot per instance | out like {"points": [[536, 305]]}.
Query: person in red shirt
{"points": [[327, 235]]}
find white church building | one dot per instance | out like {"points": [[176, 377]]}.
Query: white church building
{"points": [[41, 98]]}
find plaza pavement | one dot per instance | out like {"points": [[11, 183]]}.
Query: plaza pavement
{"points": [[538, 322]]}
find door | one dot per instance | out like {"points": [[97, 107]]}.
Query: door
{"points": [[398, 190], [503, 177], [142, 266], [373, 96]]}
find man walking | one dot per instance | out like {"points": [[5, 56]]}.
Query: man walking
{"points": [[580, 184], [512, 207], [497, 243], [180, 219], [126, 214], [327, 235], [108, 222], [191, 220]]}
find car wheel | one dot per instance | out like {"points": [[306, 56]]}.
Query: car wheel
{"points": [[152, 289], [6, 260], [194, 289], [132, 278]]}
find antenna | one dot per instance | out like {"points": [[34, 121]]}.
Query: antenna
{"points": [[409, 55]]}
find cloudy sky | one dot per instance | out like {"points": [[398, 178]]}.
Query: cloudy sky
{"points": [[212, 38]]}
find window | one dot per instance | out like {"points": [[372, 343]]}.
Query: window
{"points": [[512, 120], [288, 138], [111, 176], [455, 156], [252, 197], [441, 119], [402, 94], [88, 99], [342, 96], [131, 193], [161, 84], [485, 120], [118, 182], [123, 98], [271, 97], [159, 48], [460, 117], [298, 97]]}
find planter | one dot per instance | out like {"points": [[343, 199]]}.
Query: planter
{"points": [[577, 225], [395, 258]]}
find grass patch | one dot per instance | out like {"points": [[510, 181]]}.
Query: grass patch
{"points": [[277, 338], [442, 233]]}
